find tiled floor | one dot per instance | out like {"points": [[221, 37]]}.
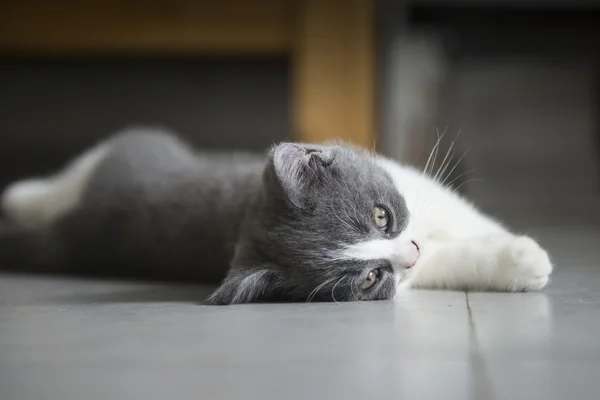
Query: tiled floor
{"points": [[66, 339]]}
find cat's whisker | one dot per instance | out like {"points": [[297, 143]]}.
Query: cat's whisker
{"points": [[456, 165], [444, 165], [437, 150], [314, 292], [434, 149], [429, 159], [442, 170], [356, 298], [431, 174], [449, 185], [465, 182], [421, 207], [333, 289]]}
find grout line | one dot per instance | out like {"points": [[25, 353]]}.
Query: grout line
{"points": [[481, 385]]}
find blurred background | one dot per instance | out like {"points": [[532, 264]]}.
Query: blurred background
{"points": [[514, 83], [517, 78]]}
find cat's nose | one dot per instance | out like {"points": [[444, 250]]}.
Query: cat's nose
{"points": [[412, 254]]}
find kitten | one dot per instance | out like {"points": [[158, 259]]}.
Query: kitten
{"points": [[305, 223], [276, 228]]}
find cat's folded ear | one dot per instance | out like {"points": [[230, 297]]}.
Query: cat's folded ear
{"points": [[245, 286], [299, 168]]}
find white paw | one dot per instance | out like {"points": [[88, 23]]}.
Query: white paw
{"points": [[523, 265]]}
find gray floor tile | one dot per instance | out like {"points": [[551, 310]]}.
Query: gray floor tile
{"points": [[65, 339], [546, 345]]}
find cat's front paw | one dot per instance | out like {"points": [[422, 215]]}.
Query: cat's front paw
{"points": [[524, 265]]}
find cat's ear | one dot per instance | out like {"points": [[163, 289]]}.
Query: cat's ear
{"points": [[245, 286], [299, 168]]}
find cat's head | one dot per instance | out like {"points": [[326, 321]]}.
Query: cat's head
{"points": [[328, 225]]}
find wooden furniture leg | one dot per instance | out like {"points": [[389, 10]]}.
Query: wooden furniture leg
{"points": [[333, 69]]}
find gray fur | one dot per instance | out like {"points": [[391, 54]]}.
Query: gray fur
{"points": [[266, 227]]}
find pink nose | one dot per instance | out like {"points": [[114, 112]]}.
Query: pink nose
{"points": [[413, 254]]}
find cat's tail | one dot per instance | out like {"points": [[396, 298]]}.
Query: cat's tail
{"points": [[38, 203], [29, 203], [26, 243], [31, 207]]}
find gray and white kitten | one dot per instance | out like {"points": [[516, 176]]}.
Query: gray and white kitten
{"points": [[287, 226]]}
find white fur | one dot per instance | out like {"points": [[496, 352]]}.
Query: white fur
{"points": [[460, 247], [36, 203], [398, 251]]}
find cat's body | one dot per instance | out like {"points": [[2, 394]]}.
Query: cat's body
{"points": [[149, 201], [145, 204]]}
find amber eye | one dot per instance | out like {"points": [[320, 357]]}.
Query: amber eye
{"points": [[382, 218], [371, 279]]}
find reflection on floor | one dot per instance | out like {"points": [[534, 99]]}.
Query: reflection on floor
{"points": [[67, 339]]}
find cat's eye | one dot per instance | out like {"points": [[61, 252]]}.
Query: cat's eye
{"points": [[371, 279], [382, 218]]}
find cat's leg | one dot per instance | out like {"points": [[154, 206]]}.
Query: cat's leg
{"points": [[37, 203], [501, 262], [464, 249]]}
